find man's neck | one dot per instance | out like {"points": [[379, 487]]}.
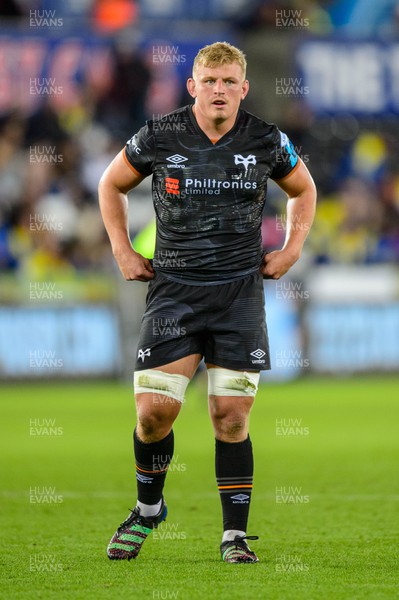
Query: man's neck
{"points": [[214, 130]]}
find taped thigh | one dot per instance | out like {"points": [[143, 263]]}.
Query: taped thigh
{"points": [[154, 381], [226, 382]]}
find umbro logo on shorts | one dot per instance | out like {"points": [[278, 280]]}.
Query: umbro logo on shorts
{"points": [[240, 498], [258, 353], [143, 353], [176, 161]]}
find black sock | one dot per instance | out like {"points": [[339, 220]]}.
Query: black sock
{"points": [[152, 462], [234, 474]]}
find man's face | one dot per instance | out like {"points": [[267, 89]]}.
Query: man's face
{"points": [[218, 91]]}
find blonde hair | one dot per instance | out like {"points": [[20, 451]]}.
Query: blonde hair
{"points": [[220, 53]]}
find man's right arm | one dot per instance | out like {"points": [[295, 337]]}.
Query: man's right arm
{"points": [[114, 184]]}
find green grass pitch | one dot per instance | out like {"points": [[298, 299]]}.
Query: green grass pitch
{"points": [[325, 501]]}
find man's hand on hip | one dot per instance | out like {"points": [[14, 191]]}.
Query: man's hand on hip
{"points": [[133, 266], [277, 263]]}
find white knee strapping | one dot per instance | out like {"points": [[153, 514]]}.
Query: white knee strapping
{"points": [[164, 384], [225, 382]]}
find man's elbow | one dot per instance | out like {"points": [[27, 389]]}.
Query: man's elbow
{"points": [[309, 191], [312, 188], [106, 185], [100, 189], [104, 181]]}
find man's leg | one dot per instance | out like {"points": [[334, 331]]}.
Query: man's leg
{"points": [[234, 459], [153, 435], [159, 393]]}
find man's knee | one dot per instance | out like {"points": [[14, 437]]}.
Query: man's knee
{"points": [[159, 397], [155, 423], [231, 396], [230, 426], [230, 417]]}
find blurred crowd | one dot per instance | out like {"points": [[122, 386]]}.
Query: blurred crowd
{"points": [[51, 162], [354, 164], [353, 17], [51, 159]]}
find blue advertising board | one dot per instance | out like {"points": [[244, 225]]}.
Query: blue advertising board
{"points": [[358, 77], [58, 342]]}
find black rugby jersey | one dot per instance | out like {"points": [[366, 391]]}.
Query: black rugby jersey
{"points": [[209, 198]]}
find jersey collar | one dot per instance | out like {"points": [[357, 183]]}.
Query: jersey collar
{"points": [[220, 141]]}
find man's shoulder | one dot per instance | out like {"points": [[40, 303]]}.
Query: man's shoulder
{"points": [[257, 125]]}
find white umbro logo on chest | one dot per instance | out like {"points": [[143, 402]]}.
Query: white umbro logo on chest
{"points": [[176, 161]]}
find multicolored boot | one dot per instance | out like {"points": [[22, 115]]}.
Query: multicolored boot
{"points": [[127, 541], [237, 551]]}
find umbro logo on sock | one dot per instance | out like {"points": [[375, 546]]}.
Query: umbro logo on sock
{"points": [[144, 478], [240, 499]]}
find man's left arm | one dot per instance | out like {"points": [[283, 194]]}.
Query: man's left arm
{"points": [[301, 206]]}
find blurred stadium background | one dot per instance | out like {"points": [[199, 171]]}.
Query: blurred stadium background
{"points": [[78, 78]]}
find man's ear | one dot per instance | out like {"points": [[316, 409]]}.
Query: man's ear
{"points": [[245, 89], [191, 87]]}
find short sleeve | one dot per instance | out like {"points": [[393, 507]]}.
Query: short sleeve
{"points": [[286, 157], [140, 150]]}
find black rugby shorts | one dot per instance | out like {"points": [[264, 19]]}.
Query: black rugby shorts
{"points": [[224, 323]]}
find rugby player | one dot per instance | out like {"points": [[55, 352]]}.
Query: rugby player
{"points": [[210, 163]]}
